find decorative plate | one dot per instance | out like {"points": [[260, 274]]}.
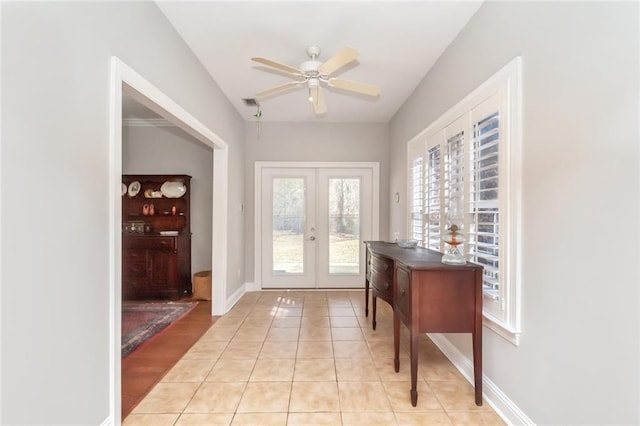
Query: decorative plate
{"points": [[134, 188], [124, 189], [173, 189]]}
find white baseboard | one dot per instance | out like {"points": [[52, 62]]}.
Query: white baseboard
{"points": [[252, 287], [233, 299], [497, 399]]}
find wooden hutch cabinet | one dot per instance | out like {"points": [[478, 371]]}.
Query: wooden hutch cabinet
{"points": [[156, 236]]}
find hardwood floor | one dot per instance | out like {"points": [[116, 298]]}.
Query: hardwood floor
{"points": [[146, 366]]}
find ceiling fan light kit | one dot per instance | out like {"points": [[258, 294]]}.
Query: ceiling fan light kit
{"points": [[314, 73]]}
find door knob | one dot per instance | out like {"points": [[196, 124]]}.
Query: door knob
{"points": [[312, 238]]}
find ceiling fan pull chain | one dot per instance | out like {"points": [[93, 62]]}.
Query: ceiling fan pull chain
{"points": [[258, 116]]}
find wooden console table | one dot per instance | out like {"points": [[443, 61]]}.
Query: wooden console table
{"points": [[428, 297]]}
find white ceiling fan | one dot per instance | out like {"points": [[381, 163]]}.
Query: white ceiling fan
{"points": [[313, 74]]}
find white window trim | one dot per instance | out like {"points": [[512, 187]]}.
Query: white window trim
{"points": [[509, 78]]}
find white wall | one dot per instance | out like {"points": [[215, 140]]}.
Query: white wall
{"points": [[55, 180], [169, 150], [313, 142], [578, 358]]}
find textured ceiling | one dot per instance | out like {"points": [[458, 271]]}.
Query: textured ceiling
{"points": [[398, 43]]}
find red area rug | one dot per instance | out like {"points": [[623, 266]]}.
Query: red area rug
{"points": [[143, 320]]}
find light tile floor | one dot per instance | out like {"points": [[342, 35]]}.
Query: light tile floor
{"points": [[308, 358]]}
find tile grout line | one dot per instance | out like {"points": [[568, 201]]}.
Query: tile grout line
{"points": [[366, 339]]}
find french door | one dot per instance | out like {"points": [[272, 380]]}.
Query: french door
{"points": [[314, 220]]}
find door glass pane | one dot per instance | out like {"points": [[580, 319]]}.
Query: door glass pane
{"points": [[288, 222], [344, 225]]}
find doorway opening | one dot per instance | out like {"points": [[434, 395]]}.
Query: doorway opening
{"points": [[125, 80]]}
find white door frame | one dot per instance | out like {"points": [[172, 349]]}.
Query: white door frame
{"points": [[259, 165], [125, 79]]}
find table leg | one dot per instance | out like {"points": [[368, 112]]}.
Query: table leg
{"points": [[396, 342], [414, 367], [375, 302], [366, 298], [477, 365], [477, 339]]}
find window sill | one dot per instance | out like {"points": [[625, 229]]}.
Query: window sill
{"points": [[509, 333]]}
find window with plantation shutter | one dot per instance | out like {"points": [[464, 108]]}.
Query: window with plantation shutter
{"points": [[472, 153]]}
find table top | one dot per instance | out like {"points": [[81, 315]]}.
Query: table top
{"points": [[417, 258]]}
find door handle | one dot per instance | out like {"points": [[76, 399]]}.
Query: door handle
{"points": [[312, 238]]}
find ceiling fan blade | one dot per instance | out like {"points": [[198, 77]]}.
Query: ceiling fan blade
{"points": [[354, 86], [317, 100], [339, 60], [278, 89], [277, 65]]}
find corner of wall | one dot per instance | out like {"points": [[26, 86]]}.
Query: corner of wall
{"points": [[235, 297], [497, 399]]}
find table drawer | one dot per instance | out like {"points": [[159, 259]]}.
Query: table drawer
{"points": [[382, 283], [382, 265], [402, 297]]}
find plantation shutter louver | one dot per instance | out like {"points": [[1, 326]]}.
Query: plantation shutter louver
{"points": [[484, 231], [416, 190], [417, 228], [454, 179], [432, 199]]}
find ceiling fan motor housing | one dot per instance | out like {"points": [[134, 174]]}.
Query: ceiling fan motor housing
{"points": [[310, 68]]}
